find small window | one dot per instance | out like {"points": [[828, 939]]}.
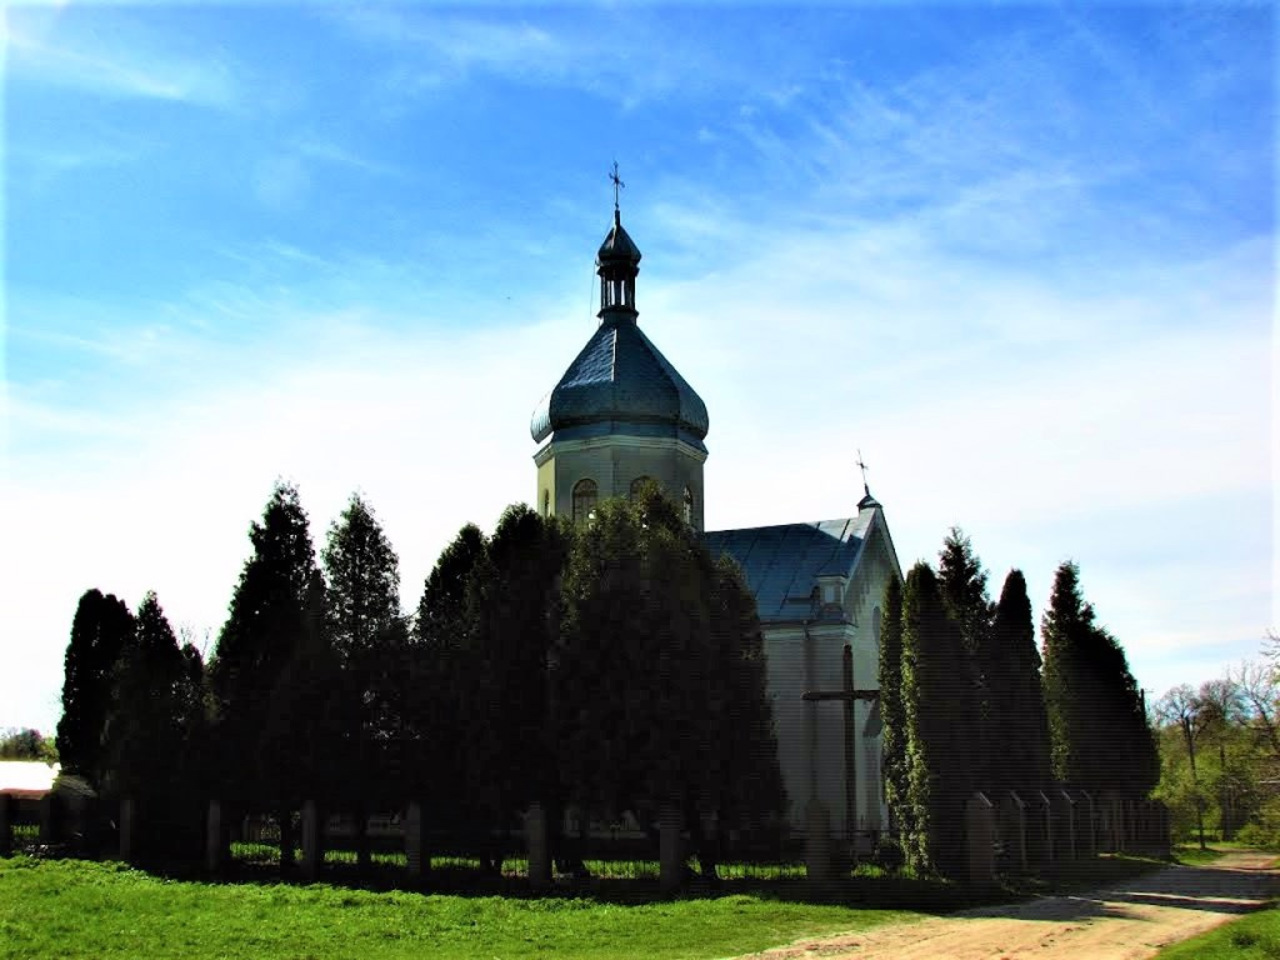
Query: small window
{"points": [[637, 484], [584, 500], [546, 503], [688, 506]]}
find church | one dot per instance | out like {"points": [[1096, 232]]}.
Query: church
{"points": [[622, 415]]}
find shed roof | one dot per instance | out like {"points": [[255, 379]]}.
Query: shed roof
{"points": [[27, 778], [782, 563]]}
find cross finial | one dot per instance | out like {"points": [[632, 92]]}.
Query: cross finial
{"points": [[617, 184], [863, 467]]}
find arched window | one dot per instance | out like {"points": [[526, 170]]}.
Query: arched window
{"points": [[584, 500], [688, 506], [637, 484], [546, 503]]}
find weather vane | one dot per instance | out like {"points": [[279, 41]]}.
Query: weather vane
{"points": [[617, 184], [863, 467]]}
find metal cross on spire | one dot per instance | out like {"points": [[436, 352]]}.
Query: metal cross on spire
{"points": [[863, 467], [617, 184]]}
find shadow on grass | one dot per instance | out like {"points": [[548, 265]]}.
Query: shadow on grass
{"points": [[868, 887]]}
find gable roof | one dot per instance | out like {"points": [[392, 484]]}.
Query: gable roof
{"points": [[782, 563]]}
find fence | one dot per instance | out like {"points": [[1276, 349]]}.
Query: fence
{"points": [[1011, 835]]}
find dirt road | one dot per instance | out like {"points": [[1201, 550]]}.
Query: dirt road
{"points": [[1125, 922]]}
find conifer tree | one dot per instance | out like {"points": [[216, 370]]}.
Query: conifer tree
{"points": [[892, 711], [1099, 731], [660, 685], [1021, 732], [362, 573], [362, 607], [939, 737], [963, 584], [271, 613], [100, 630], [437, 694], [153, 729], [513, 599], [744, 787]]}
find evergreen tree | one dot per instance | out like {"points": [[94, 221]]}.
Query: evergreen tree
{"points": [[363, 608], [744, 788], [963, 584], [437, 691], [152, 731], [304, 749], [1021, 732], [101, 627], [513, 600], [363, 577], [1099, 731], [939, 737], [893, 712], [271, 612], [661, 655]]}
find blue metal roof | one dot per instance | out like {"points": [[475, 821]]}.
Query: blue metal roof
{"points": [[621, 379], [782, 563]]}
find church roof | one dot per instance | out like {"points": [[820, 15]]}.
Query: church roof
{"points": [[621, 383], [782, 563]]}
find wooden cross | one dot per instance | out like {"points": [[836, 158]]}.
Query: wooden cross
{"points": [[849, 696], [617, 184]]}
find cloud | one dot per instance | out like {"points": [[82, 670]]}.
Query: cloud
{"points": [[133, 65]]}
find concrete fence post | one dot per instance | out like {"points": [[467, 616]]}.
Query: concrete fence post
{"points": [[670, 849], [312, 852], [415, 849], [537, 847], [817, 844], [49, 818], [1013, 829], [1086, 826], [1043, 818], [1064, 824], [215, 839], [980, 832], [6, 825], [128, 814]]}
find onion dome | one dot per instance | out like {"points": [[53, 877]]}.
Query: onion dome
{"points": [[620, 383]]}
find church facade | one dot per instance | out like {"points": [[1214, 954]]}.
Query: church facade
{"points": [[621, 415]]}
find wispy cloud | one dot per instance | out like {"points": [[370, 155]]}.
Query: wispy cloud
{"points": [[132, 65]]}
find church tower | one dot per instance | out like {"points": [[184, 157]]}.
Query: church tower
{"points": [[621, 414]]}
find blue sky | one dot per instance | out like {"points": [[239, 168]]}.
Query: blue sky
{"points": [[1023, 257]]}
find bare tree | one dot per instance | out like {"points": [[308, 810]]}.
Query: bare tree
{"points": [[1222, 706], [1259, 692], [1182, 707]]}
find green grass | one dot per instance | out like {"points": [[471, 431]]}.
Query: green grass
{"points": [[1254, 937], [1193, 856], [68, 908]]}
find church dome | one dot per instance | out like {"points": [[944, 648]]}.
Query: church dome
{"points": [[618, 246], [620, 383]]}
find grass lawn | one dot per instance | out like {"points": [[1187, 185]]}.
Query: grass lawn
{"points": [[1192, 856], [1254, 937], [71, 908]]}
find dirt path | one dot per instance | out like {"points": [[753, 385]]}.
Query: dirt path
{"points": [[1125, 922]]}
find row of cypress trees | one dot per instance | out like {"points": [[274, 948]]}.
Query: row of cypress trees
{"points": [[612, 667], [969, 704]]}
